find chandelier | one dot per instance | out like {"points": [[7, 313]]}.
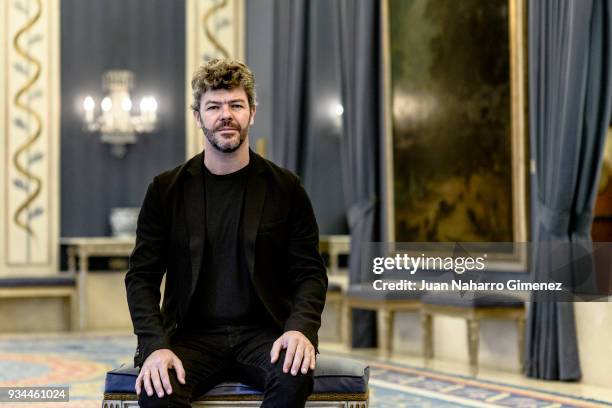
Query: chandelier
{"points": [[116, 123]]}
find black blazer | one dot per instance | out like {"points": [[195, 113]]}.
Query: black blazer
{"points": [[280, 242]]}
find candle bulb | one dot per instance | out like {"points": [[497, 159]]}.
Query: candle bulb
{"points": [[89, 105], [148, 108], [153, 110]]}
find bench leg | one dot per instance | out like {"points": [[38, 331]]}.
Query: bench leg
{"points": [[74, 311], [385, 331], [473, 326], [347, 325], [521, 342], [340, 317], [427, 335]]}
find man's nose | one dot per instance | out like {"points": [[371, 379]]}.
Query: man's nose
{"points": [[225, 111]]}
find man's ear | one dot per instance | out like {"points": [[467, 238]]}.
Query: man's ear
{"points": [[253, 111], [198, 119]]}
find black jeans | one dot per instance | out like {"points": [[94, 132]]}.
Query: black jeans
{"points": [[231, 353]]}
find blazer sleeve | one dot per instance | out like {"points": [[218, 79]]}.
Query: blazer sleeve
{"points": [[147, 266], [308, 277]]}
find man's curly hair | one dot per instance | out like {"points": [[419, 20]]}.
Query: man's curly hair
{"points": [[222, 74]]}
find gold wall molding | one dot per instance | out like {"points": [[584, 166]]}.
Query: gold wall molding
{"points": [[215, 29], [29, 173]]}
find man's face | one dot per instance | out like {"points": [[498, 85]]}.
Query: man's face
{"points": [[225, 117]]}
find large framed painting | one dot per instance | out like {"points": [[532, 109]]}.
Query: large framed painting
{"points": [[456, 81]]}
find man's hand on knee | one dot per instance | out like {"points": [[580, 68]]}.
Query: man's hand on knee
{"points": [[300, 352], [154, 373]]}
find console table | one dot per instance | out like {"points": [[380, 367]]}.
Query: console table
{"points": [[84, 248]]}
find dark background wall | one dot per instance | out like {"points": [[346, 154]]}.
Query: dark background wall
{"points": [[148, 38]]}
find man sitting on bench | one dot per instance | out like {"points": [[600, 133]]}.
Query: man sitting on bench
{"points": [[237, 238]]}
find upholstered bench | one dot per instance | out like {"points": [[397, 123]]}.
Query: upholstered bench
{"points": [[35, 287], [473, 307], [338, 383], [385, 302]]}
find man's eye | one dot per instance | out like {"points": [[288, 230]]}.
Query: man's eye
{"points": [[237, 106], [212, 107]]}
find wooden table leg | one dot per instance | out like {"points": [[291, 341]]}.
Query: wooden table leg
{"points": [[473, 326], [385, 331], [333, 260], [82, 288], [71, 259], [74, 299], [347, 324], [521, 342], [74, 310], [427, 335]]}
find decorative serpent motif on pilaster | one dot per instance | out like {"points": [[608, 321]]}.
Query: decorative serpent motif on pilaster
{"points": [[32, 136], [208, 33]]}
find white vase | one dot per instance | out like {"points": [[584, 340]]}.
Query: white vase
{"points": [[123, 221]]}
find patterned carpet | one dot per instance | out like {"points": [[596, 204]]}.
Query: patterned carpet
{"points": [[82, 361]]}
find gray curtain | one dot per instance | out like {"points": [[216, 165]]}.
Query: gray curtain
{"points": [[295, 56], [361, 72], [569, 96], [289, 95]]}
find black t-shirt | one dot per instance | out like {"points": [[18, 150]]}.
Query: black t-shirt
{"points": [[224, 294]]}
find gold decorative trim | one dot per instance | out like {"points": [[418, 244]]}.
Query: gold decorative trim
{"points": [[205, 25], [37, 120], [389, 205], [518, 125], [323, 396]]}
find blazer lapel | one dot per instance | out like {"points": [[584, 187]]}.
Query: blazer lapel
{"points": [[193, 195], [253, 207]]}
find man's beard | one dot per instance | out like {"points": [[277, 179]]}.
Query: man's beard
{"points": [[217, 140]]}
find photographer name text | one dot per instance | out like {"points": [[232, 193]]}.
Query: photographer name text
{"points": [[512, 284]]}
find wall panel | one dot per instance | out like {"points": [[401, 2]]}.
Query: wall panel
{"points": [[29, 91]]}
